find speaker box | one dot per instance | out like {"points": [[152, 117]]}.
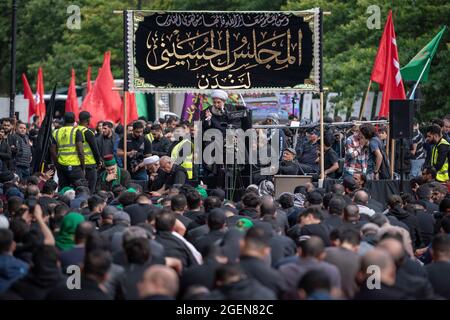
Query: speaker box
{"points": [[288, 183], [401, 113]]}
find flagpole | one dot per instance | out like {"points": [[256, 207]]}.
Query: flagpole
{"points": [[125, 88], [365, 100], [125, 135], [418, 80], [392, 157], [12, 94]]}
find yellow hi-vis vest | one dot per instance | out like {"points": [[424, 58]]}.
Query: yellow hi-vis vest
{"points": [[188, 162], [150, 137], [442, 174], [67, 151], [88, 155]]}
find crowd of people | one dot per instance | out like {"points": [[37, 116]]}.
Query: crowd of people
{"points": [[90, 227]]}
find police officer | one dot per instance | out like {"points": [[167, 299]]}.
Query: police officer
{"points": [[67, 152], [439, 153], [92, 158], [182, 149]]}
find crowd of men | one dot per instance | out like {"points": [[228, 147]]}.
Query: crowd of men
{"points": [[152, 230]]}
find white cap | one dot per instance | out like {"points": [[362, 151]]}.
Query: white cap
{"points": [[219, 94], [151, 160]]}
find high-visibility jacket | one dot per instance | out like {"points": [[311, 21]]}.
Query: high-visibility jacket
{"points": [[67, 151], [150, 137], [188, 163], [88, 155], [442, 174]]}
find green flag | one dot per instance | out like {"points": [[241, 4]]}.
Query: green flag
{"points": [[141, 103], [414, 68]]}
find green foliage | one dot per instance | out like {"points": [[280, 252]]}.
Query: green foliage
{"points": [[349, 46]]}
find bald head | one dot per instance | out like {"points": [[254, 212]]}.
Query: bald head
{"points": [[159, 280], [361, 197]]}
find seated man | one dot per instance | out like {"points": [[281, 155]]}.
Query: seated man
{"points": [[174, 174], [156, 176], [307, 153], [288, 164], [113, 175]]}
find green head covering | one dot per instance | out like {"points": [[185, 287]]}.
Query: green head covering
{"points": [[109, 160], [63, 190], [244, 224], [66, 236], [133, 190], [202, 192]]}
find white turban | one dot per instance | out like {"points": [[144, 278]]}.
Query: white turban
{"points": [[219, 94], [151, 160]]}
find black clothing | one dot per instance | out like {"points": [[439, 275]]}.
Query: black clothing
{"points": [[439, 276], [138, 212], [89, 290], [175, 248], [330, 158], [333, 221], [246, 289], [161, 146], [203, 243], [411, 221], [289, 168], [281, 247], [5, 155], [143, 147], [177, 175], [268, 277], [158, 182], [320, 230], [203, 275], [384, 293]]}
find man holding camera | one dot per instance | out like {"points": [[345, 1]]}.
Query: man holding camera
{"points": [[138, 148]]}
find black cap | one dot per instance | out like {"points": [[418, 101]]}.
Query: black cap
{"points": [[314, 197], [69, 117]]}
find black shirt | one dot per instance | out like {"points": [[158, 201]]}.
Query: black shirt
{"points": [[178, 175], [289, 168], [439, 276], [161, 146], [330, 159], [141, 145]]}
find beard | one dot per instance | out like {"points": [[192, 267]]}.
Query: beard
{"points": [[217, 111]]}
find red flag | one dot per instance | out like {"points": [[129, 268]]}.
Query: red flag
{"points": [[40, 102], [102, 102], [28, 94], [72, 101], [132, 114], [88, 83], [386, 69]]}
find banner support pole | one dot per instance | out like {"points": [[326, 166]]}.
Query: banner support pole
{"points": [[125, 89], [365, 100]]}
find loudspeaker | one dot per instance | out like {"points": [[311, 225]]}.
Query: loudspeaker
{"points": [[401, 113], [288, 183]]}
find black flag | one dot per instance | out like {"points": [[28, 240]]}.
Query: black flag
{"points": [[41, 154]]}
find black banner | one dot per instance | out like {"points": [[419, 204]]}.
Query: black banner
{"points": [[237, 51]]}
